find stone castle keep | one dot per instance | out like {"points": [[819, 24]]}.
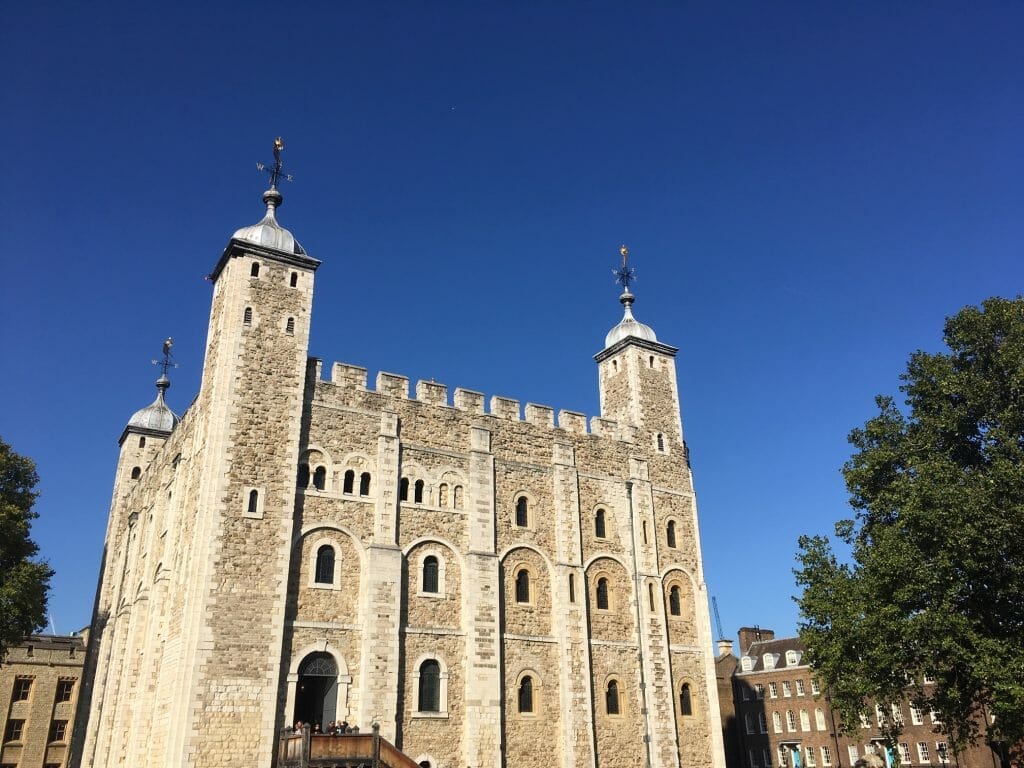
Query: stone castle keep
{"points": [[497, 589]]}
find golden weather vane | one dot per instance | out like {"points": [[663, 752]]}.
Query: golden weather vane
{"points": [[624, 275], [276, 171]]}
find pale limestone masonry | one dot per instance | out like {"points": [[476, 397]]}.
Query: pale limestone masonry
{"points": [[498, 584]]}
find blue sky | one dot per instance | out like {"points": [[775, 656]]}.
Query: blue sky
{"points": [[807, 190]]}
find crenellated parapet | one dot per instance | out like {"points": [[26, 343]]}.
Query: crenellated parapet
{"points": [[354, 379]]}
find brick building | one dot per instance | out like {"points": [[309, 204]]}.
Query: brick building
{"points": [[495, 586], [39, 684], [782, 718]]}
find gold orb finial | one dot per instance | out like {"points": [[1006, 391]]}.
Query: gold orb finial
{"points": [[625, 253], [278, 143]]}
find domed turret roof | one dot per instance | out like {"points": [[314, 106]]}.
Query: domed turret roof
{"points": [[156, 416], [267, 232], [629, 326]]}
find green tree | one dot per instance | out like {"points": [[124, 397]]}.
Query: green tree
{"points": [[933, 580], [24, 582]]}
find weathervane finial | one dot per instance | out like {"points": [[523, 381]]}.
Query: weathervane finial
{"points": [[277, 170], [167, 363], [624, 275]]}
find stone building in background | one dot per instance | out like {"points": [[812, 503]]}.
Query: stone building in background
{"points": [[780, 717], [39, 684], [494, 585]]}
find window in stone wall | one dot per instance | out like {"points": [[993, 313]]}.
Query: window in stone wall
{"points": [[430, 686], [325, 565], [752, 758], [758, 691], [364, 484], [661, 442], [255, 271], [142, 441], [815, 688], [430, 573], [773, 690], [572, 588], [611, 698], [685, 700], [811, 757], [602, 594], [786, 690], [851, 752], [247, 316], [674, 602], [670, 534], [650, 596], [15, 729], [442, 495], [294, 279], [905, 757], [767, 758], [289, 326], [418, 492], [599, 526], [522, 512], [525, 694], [942, 750], [522, 586], [22, 689], [922, 752], [350, 481], [254, 502], [320, 478], [136, 473], [403, 489], [58, 730], [65, 687], [645, 531], [457, 494]]}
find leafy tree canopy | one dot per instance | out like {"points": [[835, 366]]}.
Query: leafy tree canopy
{"points": [[24, 582], [934, 582]]}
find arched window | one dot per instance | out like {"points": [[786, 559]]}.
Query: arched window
{"points": [[142, 441], [303, 478], [523, 586], [325, 565], [458, 497], [430, 574], [777, 722], [294, 280], [255, 271], [661, 442], [350, 479], [364, 484], [599, 528], [430, 686], [442, 495], [602, 594], [136, 473], [526, 694], [247, 316], [403, 489], [674, 603], [418, 492], [289, 327], [685, 700], [254, 500], [611, 698], [320, 478], [670, 533], [522, 515]]}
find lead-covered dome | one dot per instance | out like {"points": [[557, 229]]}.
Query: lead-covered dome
{"points": [[629, 326], [156, 416], [267, 232]]}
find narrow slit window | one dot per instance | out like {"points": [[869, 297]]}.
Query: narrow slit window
{"points": [[418, 491], [523, 586], [572, 588], [255, 271], [674, 603], [645, 531], [602, 594], [142, 441], [599, 525], [289, 327], [403, 489], [247, 316], [650, 596], [350, 479], [364, 484], [661, 442], [254, 500], [294, 280], [670, 533]]}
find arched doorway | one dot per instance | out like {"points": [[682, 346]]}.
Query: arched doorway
{"points": [[316, 699]]}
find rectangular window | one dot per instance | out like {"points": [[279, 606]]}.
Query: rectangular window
{"points": [[915, 715], [942, 751], [760, 690], [790, 720], [922, 751], [64, 689], [800, 688], [805, 720], [851, 751], [763, 722], [748, 720], [928, 679], [773, 690], [783, 756], [58, 730], [14, 730], [815, 688], [745, 692], [935, 717], [767, 758], [753, 759], [864, 721], [905, 753], [826, 756], [22, 688], [786, 691], [879, 715], [811, 760], [897, 714]]}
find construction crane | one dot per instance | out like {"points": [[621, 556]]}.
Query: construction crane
{"points": [[718, 619]]}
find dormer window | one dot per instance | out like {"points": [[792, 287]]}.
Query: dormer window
{"points": [[769, 660], [746, 664], [792, 658]]}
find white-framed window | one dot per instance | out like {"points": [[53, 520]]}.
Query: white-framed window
{"points": [[851, 752], [746, 664], [762, 721], [864, 721], [942, 751], [786, 690], [800, 688], [819, 719], [922, 752], [815, 688], [777, 722], [783, 756], [790, 720], [773, 690], [879, 715], [928, 680], [805, 720], [826, 756], [915, 714], [430, 687], [769, 660], [811, 758], [792, 658], [905, 753], [897, 714], [759, 690], [935, 717]]}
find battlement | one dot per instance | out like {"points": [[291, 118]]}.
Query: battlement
{"points": [[354, 378]]}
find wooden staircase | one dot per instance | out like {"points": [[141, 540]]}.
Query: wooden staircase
{"points": [[352, 750]]}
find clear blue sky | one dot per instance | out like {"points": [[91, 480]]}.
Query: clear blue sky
{"points": [[807, 190]]}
